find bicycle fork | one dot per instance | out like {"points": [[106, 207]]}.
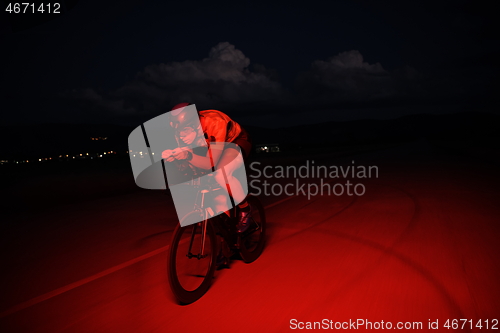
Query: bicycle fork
{"points": [[204, 231]]}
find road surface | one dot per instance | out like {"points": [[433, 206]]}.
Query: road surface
{"points": [[422, 244]]}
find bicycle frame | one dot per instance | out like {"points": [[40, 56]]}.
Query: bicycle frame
{"points": [[208, 213], [188, 281]]}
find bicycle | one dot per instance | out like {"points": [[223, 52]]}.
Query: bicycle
{"points": [[195, 247]]}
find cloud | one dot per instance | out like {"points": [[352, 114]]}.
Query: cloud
{"points": [[345, 77], [90, 98], [226, 79], [221, 79]]}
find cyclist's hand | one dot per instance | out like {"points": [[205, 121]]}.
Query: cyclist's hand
{"points": [[181, 154], [168, 155]]}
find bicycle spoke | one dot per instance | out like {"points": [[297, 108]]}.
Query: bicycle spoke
{"points": [[192, 269]]}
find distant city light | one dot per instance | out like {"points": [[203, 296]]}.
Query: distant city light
{"points": [[82, 155]]}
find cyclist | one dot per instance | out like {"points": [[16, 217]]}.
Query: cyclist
{"points": [[216, 128]]}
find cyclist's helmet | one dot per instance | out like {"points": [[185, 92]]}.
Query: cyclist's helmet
{"points": [[180, 118]]}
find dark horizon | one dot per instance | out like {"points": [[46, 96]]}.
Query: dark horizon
{"points": [[53, 139]]}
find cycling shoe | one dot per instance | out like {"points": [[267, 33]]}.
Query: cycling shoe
{"points": [[244, 220]]}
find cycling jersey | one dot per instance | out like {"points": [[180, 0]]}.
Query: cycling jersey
{"points": [[218, 126]]}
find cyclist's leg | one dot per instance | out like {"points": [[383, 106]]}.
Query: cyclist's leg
{"points": [[229, 162], [220, 202]]}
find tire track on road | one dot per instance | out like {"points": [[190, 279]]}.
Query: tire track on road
{"points": [[79, 283], [391, 252]]}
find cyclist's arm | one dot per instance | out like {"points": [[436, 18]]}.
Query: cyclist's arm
{"points": [[204, 162], [216, 134], [167, 155]]}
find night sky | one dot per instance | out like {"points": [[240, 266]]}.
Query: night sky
{"points": [[264, 63]]}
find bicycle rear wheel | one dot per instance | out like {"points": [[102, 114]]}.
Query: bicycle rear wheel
{"points": [[191, 269], [252, 240]]}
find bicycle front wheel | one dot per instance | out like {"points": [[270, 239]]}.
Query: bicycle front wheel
{"points": [[192, 259]]}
